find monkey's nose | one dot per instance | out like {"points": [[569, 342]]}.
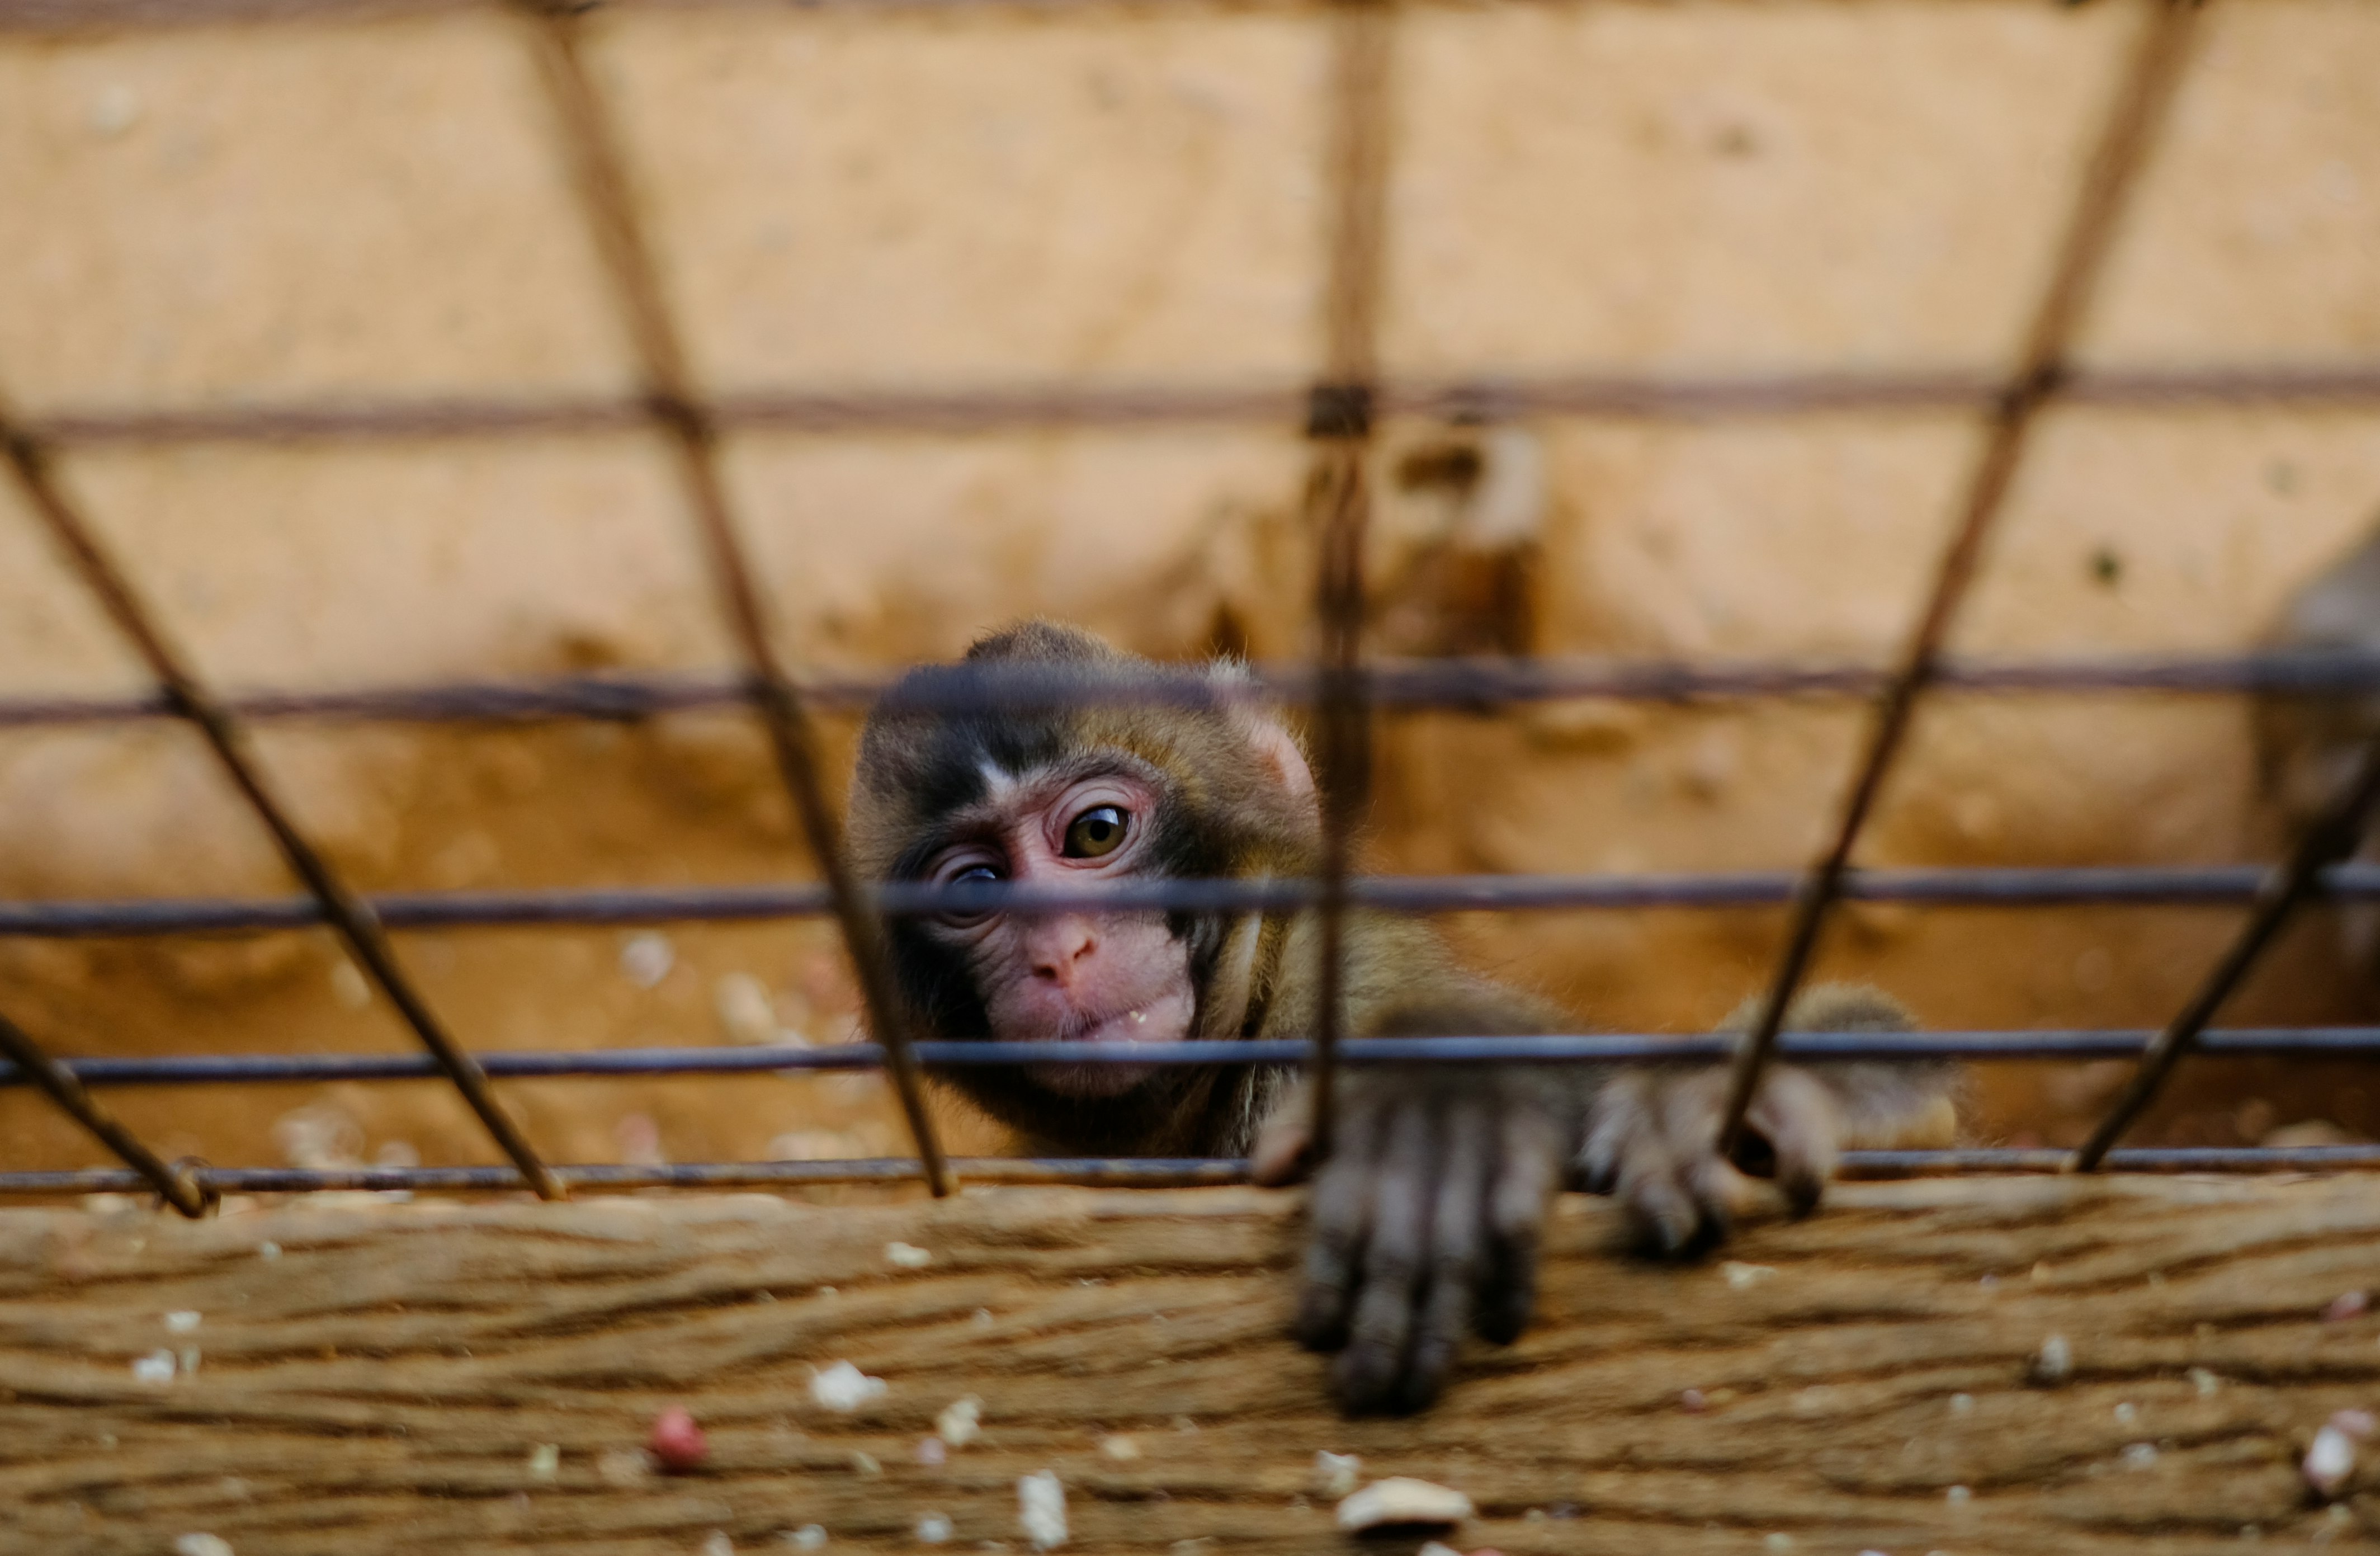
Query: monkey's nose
{"points": [[1058, 951]]}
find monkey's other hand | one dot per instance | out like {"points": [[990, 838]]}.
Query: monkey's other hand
{"points": [[1424, 1222], [1652, 1141]]}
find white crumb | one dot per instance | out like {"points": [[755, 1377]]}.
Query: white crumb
{"points": [[183, 1321], [2204, 1382], [1120, 1448], [1401, 1499], [1335, 1475], [1041, 1510], [2140, 1455], [268, 1250], [961, 1421], [809, 1537], [843, 1387], [933, 1529], [2330, 1462], [545, 1460], [2054, 1363], [908, 1255], [201, 1545], [716, 1543], [156, 1369], [1963, 1404], [646, 959], [1743, 1277]]}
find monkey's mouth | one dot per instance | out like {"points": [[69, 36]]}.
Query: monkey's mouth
{"points": [[1163, 1019]]}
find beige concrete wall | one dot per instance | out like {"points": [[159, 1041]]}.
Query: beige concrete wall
{"points": [[283, 213]]}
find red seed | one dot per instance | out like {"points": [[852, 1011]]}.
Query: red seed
{"points": [[677, 1442]]}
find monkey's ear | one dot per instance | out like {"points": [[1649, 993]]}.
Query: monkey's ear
{"points": [[1281, 754], [1284, 1152]]}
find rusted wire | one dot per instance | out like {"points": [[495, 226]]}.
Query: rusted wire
{"points": [[2127, 886], [31, 1063], [1632, 397], [2332, 837], [342, 908], [601, 176], [1340, 418], [1400, 683], [2040, 364], [1599, 1048], [1196, 1171]]}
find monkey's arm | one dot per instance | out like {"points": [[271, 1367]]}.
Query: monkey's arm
{"points": [[1425, 1218]]}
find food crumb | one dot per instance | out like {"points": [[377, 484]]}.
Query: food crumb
{"points": [[677, 1441], [1741, 1277], [2345, 1305], [716, 1543], [156, 1369], [2329, 1462], [545, 1460], [809, 1537], [933, 1453], [961, 1421], [1335, 1475], [843, 1387], [908, 1255], [1119, 1446], [2054, 1363], [201, 1545], [933, 1529], [1041, 1510], [182, 1321]]}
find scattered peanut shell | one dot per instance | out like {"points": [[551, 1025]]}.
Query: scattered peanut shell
{"points": [[2329, 1463], [156, 1369], [1120, 1448], [2054, 1363], [201, 1545], [676, 1441], [961, 1421], [844, 1387], [1401, 1499], [183, 1321], [908, 1255], [1335, 1475], [933, 1529], [1041, 1510], [2357, 1424], [2345, 1305], [932, 1453]]}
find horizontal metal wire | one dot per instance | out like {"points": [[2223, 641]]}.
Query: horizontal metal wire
{"points": [[1452, 682], [1002, 407], [1094, 1172], [2141, 886], [1616, 1048]]}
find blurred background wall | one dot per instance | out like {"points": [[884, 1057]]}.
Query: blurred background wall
{"points": [[307, 211]]}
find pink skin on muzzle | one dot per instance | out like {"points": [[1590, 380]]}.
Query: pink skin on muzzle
{"points": [[1069, 977]]}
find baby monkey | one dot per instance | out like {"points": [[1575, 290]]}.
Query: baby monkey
{"points": [[1425, 1216]]}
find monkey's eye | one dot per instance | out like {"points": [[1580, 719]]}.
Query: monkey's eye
{"points": [[1096, 833]]}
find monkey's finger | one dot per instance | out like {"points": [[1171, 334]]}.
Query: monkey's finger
{"points": [[1516, 1219], [1793, 1112], [1338, 1218], [1368, 1370], [1283, 1153], [1661, 1209], [1619, 1111], [1457, 1238]]}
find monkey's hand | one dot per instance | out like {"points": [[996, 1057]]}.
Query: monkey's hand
{"points": [[1425, 1220], [1652, 1142]]}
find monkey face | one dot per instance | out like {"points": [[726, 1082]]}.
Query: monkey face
{"points": [[1069, 977]]}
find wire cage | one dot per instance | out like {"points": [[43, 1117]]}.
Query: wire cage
{"points": [[1338, 411]]}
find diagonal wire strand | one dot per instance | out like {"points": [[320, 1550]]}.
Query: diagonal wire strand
{"points": [[600, 171], [65, 1088], [2123, 146], [348, 913], [2331, 838]]}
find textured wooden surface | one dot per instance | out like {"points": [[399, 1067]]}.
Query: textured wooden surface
{"points": [[383, 1384]]}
